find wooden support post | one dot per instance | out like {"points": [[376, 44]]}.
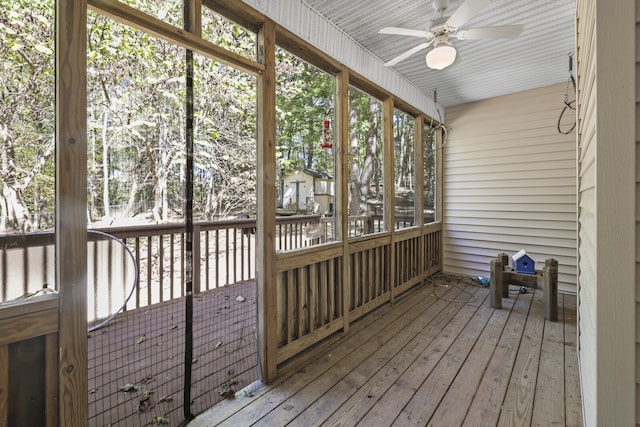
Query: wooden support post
{"points": [[266, 222], [51, 380], [71, 210], [4, 384], [550, 289], [341, 138], [504, 258], [495, 283], [389, 213]]}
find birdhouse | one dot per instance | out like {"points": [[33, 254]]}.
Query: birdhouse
{"points": [[523, 263]]}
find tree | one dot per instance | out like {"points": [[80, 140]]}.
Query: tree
{"points": [[225, 143], [364, 145], [304, 99], [403, 148], [26, 113], [136, 93]]}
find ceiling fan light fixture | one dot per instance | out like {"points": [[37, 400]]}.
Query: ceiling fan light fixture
{"points": [[441, 56]]}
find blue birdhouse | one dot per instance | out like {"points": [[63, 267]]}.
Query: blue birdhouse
{"points": [[523, 263]]}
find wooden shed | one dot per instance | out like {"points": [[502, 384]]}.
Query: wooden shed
{"points": [[308, 191]]}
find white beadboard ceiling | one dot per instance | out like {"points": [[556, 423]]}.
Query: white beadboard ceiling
{"points": [[485, 68]]}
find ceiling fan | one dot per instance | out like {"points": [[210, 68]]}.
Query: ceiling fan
{"points": [[444, 53]]}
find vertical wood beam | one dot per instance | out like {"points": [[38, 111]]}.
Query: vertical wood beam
{"points": [[51, 380], [4, 384], [496, 283], [504, 259], [71, 210], [418, 179], [418, 168], [266, 222], [389, 187], [550, 290], [195, 17], [439, 208], [341, 141]]}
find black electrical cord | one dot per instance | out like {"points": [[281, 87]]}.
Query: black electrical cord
{"points": [[568, 105], [439, 126]]}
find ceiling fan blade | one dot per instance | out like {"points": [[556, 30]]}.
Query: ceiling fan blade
{"points": [[404, 32], [466, 11], [407, 54], [501, 32]]}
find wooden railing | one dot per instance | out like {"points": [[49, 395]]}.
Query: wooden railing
{"points": [[224, 253], [316, 297]]}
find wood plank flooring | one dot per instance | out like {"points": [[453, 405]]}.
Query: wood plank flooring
{"points": [[145, 349], [439, 357]]}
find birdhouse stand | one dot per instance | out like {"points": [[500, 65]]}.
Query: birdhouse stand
{"points": [[546, 279]]}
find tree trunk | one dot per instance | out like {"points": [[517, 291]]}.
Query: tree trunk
{"points": [[3, 213], [370, 159], [16, 211], [130, 210], [92, 213], [354, 173], [106, 202], [361, 177], [158, 188], [209, 209]]}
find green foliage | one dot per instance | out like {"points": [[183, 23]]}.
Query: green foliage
{"points": [[27, 108], [137, 97], [136, 117], [227, 34], [304, 99]]}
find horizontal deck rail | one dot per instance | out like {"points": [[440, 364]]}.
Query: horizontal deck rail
{"points": [[224, 252], [316, 296]]}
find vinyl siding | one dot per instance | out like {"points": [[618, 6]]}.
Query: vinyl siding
{"points": [[510, 183], [585, 57], [608, 173]]}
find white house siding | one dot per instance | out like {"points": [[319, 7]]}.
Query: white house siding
{"points": [[586, 59], [510, 184], [607, 211]]}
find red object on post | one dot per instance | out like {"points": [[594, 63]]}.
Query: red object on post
{"points": [[326, 135]]}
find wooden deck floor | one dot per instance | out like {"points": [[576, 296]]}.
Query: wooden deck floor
{"points": [[144, 349], [430, 360]]}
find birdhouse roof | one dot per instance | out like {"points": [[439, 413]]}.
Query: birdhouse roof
{"points": [[520, 254]]}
